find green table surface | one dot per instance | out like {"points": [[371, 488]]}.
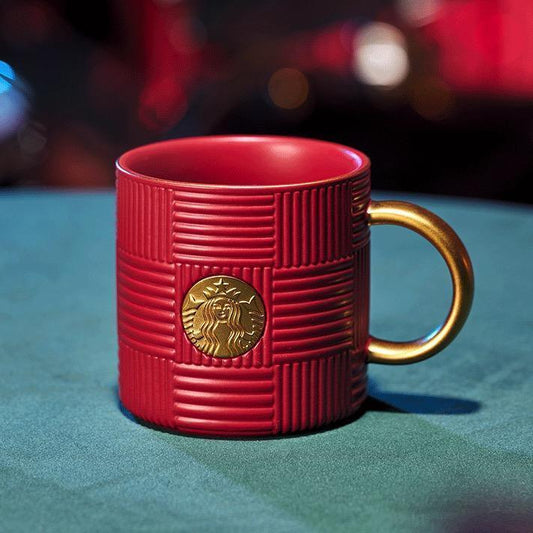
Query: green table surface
{"points": [[443, 445]]}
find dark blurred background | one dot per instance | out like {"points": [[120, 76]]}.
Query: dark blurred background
{"points": [[439, 93]]}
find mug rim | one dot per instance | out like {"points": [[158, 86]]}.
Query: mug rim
{"points": [[359, 170]]}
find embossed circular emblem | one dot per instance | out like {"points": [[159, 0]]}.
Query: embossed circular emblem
{"points": [[223, 316]]}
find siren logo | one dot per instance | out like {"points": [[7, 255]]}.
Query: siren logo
{"points": [[223, 316]]}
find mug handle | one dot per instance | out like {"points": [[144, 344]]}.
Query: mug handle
{"points": [[446, 241]]}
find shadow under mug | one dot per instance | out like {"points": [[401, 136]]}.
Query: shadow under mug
{"points": [[243, 283]]}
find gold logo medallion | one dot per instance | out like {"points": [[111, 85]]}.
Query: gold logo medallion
{"points": [[223, 316]]}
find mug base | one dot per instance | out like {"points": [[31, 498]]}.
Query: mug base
{"points": [[355, 412]]}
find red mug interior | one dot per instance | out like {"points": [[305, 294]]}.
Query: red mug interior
{"points": [[243, 160]]}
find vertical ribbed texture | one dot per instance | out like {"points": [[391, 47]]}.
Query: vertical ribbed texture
{"points": [[312, 225], [144, 219], [358, 380], [261, 279], [313, 392], [232, 400], [361, 294], [145, 383], [360, 198]]}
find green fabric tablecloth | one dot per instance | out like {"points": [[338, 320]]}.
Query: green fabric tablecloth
{"points": [[443, 445]]}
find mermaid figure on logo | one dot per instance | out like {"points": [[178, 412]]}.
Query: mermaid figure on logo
{"points": [[219, 322]]}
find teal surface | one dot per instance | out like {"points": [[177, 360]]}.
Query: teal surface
{"points": [[443, 445]]}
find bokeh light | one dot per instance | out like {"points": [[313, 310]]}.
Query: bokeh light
{"points": [[432, 99], [13, 102], [418, 12], [380, 55], [7, 76], [288, 88]]}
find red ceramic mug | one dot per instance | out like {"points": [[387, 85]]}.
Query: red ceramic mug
{"points": [[243, 283]]}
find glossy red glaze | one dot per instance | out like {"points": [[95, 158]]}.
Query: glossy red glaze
{"points": [[286, 215]]}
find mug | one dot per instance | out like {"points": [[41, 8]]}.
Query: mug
{"points": [[243, 283]]}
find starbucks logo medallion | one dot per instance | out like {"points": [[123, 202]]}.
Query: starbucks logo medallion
{"points": [[223, 316]]}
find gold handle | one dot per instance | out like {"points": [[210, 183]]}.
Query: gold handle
{"points": [[446, 241]]}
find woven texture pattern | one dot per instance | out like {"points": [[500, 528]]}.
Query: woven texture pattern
{"points": [[306, 253]]}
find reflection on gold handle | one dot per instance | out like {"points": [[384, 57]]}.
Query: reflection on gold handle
{"points": [[446, 241]]}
